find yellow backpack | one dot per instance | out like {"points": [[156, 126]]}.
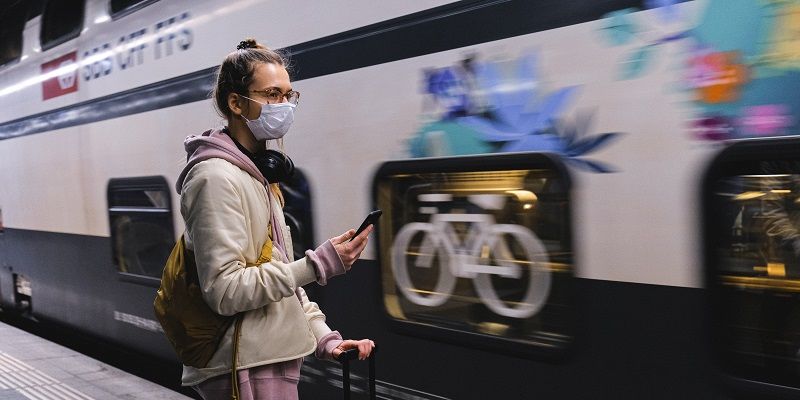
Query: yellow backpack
{"points": [[193, 329]]}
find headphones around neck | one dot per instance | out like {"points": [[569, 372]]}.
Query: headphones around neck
{"points": [[274, 165]]}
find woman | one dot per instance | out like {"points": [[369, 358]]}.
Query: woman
{"points": [[232, 206]]}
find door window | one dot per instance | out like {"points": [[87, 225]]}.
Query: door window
{"points": [[142, 233], [478, 250]]}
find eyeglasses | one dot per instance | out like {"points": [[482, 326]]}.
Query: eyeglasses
{"points": [[275, 96]]}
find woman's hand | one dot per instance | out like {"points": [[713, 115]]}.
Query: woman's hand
{"points": [[350, 251], [364, 347]]}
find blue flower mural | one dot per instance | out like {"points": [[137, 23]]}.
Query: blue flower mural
{"points": [[485, 108]]}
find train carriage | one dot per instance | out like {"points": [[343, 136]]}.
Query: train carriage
{"points": [[584, 199]]}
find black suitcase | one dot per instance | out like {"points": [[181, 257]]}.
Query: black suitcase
{"points": [[345, 359]]}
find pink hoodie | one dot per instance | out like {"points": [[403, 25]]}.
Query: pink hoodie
{"points": [[214, 143]]}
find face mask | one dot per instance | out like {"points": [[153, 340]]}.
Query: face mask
{"points": [[274, 121]]}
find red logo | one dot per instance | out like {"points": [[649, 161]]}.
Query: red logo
{"points": [[66, 82]]}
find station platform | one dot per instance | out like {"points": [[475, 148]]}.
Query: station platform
{"points": [[34, 368]]}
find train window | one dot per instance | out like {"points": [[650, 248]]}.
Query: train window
{"points": [[478, 250], [12, 23], [752, 248], [121, 8], [62, 20], [142, 233]]}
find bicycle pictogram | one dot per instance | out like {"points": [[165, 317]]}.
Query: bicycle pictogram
{"points": [[483, 252]]}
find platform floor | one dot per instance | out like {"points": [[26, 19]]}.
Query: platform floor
{"points": [[33, 368]]}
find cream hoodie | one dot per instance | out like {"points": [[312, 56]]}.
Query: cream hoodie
{"points": [[226, 207]]}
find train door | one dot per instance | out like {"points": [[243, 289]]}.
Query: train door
{"points": [[141, 238], [752, 250]]}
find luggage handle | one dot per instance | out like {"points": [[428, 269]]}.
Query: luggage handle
{"points": [[352, 354]]}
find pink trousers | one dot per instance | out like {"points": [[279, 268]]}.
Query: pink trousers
{"points": [[271, 381]]}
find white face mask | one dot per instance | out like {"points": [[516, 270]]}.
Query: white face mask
{"points": [[274, 121]]}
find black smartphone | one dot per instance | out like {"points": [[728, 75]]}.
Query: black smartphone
{"points": [[371, 219]]}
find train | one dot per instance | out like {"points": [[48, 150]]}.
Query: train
{"points": [[582, 199]]}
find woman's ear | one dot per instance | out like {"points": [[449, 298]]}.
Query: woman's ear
{"points": [[234, 103]]}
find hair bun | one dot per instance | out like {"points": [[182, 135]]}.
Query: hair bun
{"points": [[247, 44]]}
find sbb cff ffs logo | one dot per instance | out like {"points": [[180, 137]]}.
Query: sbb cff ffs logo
{"points": [[64, 82]]}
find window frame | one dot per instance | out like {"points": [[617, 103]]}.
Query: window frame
{"points": [[479, 163], [735, 159], [130, 9], [142, 182], [74, 33]]}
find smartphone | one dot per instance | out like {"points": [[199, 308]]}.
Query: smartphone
{"points": [[371, 219]]}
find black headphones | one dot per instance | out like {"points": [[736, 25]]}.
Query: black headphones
{"points": [[274, 165]]}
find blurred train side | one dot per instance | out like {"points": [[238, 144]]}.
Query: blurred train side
{"points": [[638, 310]]}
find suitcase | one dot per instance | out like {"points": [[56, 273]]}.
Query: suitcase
{"points": [[345, 359]]}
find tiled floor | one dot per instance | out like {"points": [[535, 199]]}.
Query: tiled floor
{"points": [[32, 368]]}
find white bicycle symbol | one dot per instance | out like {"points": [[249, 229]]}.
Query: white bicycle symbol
{"points": [[471, 259]]}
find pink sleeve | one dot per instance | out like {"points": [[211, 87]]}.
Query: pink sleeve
{"points": [[326, 344], [326, 262]]}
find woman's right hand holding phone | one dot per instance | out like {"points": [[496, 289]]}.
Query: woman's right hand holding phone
{"points": [[350, 250]]}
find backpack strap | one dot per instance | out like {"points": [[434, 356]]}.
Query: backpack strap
{"points": [[235, 359]]}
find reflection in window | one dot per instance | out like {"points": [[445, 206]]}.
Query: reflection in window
{"points": [[478, 252], [12, 22], [142, 233], [755, 224]]}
